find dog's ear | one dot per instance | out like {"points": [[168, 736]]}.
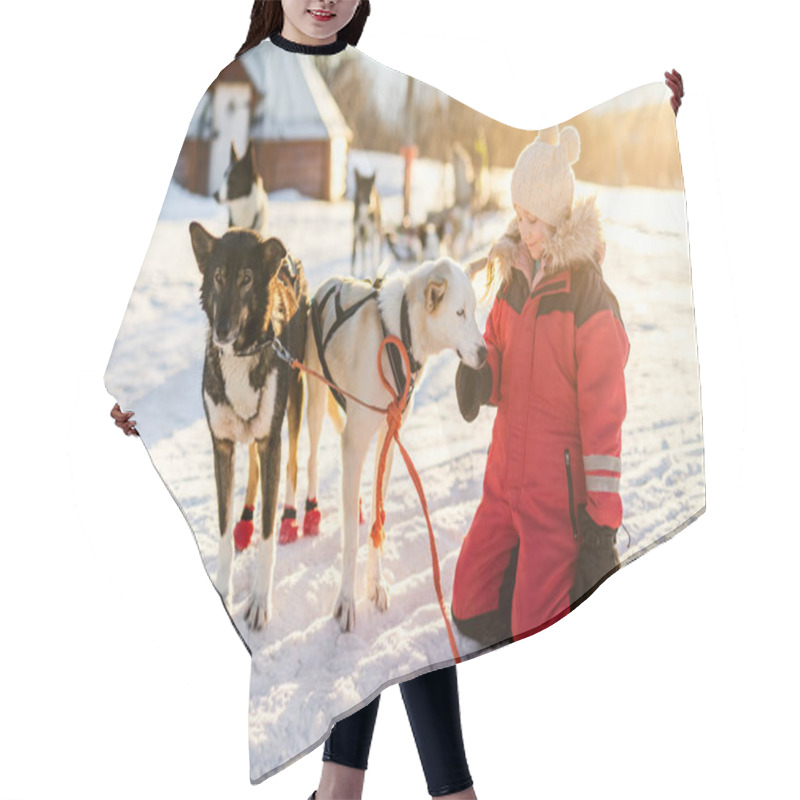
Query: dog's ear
{"points": [[202, 243], [234, 157], [434, 292], [250, 155], [272, 253]]}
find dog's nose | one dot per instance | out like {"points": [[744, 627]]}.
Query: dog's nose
{"points": [[223, 330], [483, 354], [216, 195]]}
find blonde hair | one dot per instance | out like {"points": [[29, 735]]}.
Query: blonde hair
{"points": [[502, 254]]}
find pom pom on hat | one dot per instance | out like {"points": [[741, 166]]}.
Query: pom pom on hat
{"points": [[542, 181], [571, 142], [548, 136]]}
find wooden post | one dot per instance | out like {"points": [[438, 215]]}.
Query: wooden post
{"points": [[408, 152]]}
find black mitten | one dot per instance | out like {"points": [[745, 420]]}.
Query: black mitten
{"points": [[473, 389], [597, 557]]}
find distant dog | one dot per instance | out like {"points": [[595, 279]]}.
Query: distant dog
{"points": [[442, 234], [250, 298], [445, 230], [426, 241], [243, 192], [431, 308], [367, 226], [431, 239]]}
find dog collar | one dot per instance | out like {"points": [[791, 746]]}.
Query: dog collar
{"points": [[265, 340], [395, 359], [405, 335]]}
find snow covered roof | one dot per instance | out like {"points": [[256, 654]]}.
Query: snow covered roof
{"points": [[298, 105]]}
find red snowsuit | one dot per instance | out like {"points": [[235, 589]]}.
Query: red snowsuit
{"points": [[557, 356]]}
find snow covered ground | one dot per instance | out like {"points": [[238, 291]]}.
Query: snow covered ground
{"points": [[305, 672]]}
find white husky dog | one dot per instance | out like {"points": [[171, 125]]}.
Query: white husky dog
{"points": [[431, 308]]}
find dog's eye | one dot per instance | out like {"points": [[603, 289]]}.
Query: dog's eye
{"points": [[460, 312], [247, 279], [218, 277]]}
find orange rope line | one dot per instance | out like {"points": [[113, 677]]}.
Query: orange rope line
{"points": [[394, 419]]}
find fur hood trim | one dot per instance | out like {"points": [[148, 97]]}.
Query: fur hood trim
{"points": [[577, 240], [576, 244]]}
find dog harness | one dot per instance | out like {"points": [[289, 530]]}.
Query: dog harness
{"points": [[342, 315]]}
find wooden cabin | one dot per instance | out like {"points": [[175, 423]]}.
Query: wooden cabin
{"points": [[300, 138]]}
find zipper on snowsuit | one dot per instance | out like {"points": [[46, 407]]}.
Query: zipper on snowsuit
{"points": [[567, 464]]}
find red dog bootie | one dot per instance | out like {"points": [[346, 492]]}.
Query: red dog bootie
{"points": [[243, 530], [288, 532], [311, 518]]}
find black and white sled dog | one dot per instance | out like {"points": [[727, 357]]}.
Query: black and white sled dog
{"points": [[430, 308], [250, 298], [367, 226], [242, 191]]}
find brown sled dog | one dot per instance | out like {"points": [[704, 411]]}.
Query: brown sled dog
{"points": [[252, 294]]}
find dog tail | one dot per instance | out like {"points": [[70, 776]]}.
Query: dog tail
{"points": [[334, 412]]}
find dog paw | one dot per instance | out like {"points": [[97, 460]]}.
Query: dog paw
{"points": [[345, 612], [257, 613], [311, 521], [378, 592], [242, 534], [288, 531]]}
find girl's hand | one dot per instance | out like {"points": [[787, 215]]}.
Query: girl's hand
{"points": [[122, 419], [675, 82], [473, 389]]}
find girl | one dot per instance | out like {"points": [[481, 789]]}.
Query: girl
{"points": [[557, 350]]}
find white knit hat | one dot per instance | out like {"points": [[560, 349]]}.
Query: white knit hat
{"points": [[543, 182]]}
